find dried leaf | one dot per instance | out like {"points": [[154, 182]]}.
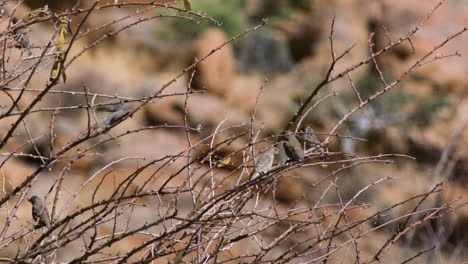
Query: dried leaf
{"points": [[64, 76], [187, 5], [69, 28]]}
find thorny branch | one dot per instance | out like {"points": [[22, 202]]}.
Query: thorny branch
{"points": [[203, 206]]}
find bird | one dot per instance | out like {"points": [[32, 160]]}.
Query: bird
{"points": [[265, 162], [117, 112], [281, 157], [311, 140], [39, 212], [20, 36], [292, 147]]}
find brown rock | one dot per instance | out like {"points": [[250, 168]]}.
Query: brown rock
{"points": [[208, 110], [244, 91], [165, 110], [216, 73], [289, 190], [14, 173]]}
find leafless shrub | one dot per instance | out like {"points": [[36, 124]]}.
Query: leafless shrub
{"points": [[206, 210]]}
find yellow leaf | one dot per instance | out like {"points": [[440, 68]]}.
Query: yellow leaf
{"points": [[61, 39], [55, 70], [39, 12], [187, 5], [58, 64], [224, 162]]}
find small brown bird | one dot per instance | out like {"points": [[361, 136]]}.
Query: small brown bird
{"points": [[293, 147], [265, 162], [117, 112], [39, 212]]}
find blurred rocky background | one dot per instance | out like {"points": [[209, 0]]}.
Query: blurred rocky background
{"points": [[419, 118]]}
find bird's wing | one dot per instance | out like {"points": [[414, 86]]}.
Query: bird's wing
{"points": [[293, 152], [264, 162], [35, 213], [46, 217]]}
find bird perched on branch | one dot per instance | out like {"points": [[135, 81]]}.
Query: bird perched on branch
{"points": [[39, 212], [265, 162], [20, 36], [292, 147], [311, 140], [117, 112], [281, 157]]}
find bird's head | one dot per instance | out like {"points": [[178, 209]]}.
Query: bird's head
{"points": [[285, 135], [275, 150], [33, 199]]}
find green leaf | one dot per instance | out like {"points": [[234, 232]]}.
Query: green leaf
{"points": [[187, 5]]}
